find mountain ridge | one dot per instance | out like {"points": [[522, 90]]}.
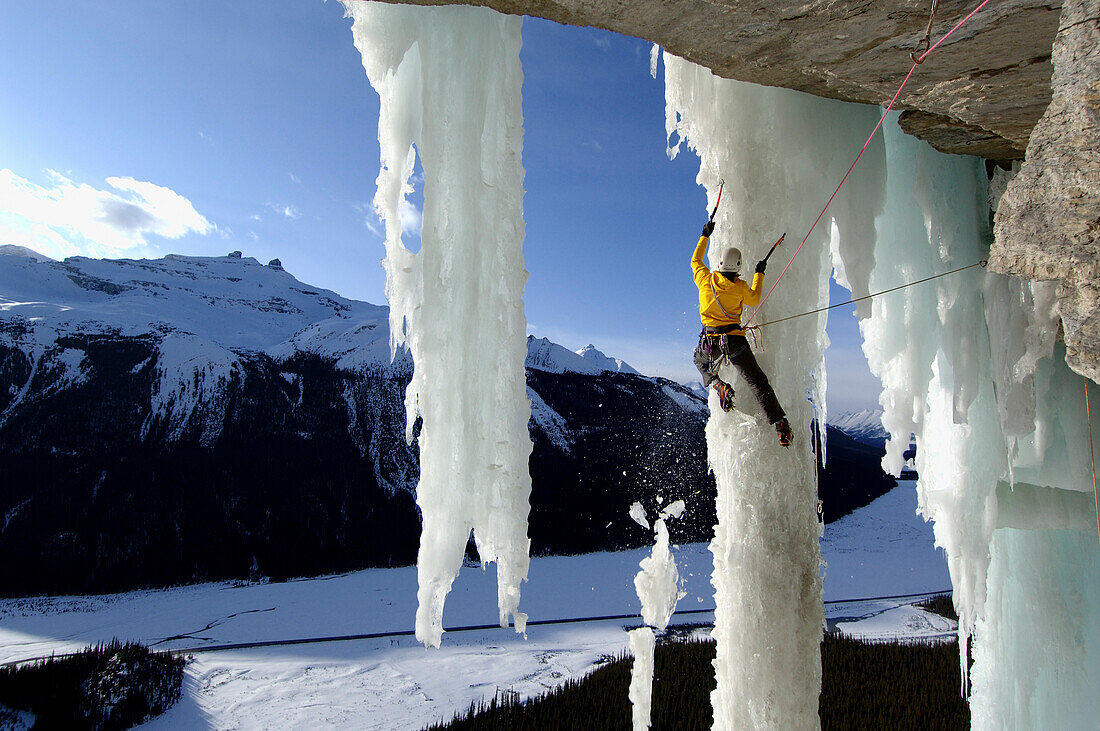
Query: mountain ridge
{"points": [[186, 418], [145, 444], [864, 426]]}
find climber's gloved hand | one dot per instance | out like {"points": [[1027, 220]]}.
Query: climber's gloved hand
{"points": [[761, 266], [708, 229]]}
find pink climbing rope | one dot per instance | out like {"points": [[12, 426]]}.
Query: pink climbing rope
{"points": [[870, 137]]}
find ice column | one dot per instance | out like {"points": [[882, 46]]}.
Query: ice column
{"points": [[449, 81], [781, 155], [1037, 640], [658, 587], [929, 346], [642, 644], [1037, 643], [969, 365]]}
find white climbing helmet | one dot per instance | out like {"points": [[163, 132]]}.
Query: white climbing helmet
{"points": [[730, 263]]}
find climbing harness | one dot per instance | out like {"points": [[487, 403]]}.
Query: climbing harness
{"points": [[927, 36], [981, 263], [916, 62], [1092, 457]]}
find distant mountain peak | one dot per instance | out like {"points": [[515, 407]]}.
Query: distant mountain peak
{"points": [[864, 426], [615, 365], [697, 388], [23, 251], [545, 355]]}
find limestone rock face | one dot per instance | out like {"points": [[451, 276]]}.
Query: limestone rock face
{"points": [[1047, 225], [986, 86]]}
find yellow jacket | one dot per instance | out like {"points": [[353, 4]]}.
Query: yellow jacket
{"points": [[731, 294]]}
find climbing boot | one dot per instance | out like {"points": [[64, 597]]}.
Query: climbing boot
{"points": [[725, 395], [783, 428]]}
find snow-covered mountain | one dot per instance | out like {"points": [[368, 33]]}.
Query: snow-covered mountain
{"points": [[189, 418], [203, 315], [199, 417], [231, 302], [697, 388], [601, 361], [548, 356], [13, 250], [863, 426]]}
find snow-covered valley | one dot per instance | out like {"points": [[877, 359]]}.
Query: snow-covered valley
{"points": [[392, 682]]}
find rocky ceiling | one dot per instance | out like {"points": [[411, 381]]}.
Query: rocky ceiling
{"points": [[980, 93]]}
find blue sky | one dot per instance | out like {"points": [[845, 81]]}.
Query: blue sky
{"points": [[251, 126]]}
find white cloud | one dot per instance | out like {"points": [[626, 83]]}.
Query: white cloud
{"points": [[65, 218], [370, 218], [294, 178], [289, 211], [411, 218]]}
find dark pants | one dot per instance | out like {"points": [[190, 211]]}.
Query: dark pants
{"points": [[736, 348]]}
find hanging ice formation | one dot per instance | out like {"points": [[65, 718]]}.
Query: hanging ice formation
{"points": [[781, 155], [658, 587], [969, 364], [449, 80]]}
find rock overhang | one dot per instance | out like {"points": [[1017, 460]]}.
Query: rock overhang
{"points": [[980, 93]]}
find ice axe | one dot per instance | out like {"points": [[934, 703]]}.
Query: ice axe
{"points": [[775, 245], [721, 184]]}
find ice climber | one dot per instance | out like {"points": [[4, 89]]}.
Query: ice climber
{"points": [[721, 295]]}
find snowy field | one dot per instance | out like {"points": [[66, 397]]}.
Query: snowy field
{"points": [[393, 682]]}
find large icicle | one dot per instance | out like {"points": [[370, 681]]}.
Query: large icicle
{"points": [[781, 155], [449, 81], [928, 345], [642, 644], [658, 588], [969, 365]]}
